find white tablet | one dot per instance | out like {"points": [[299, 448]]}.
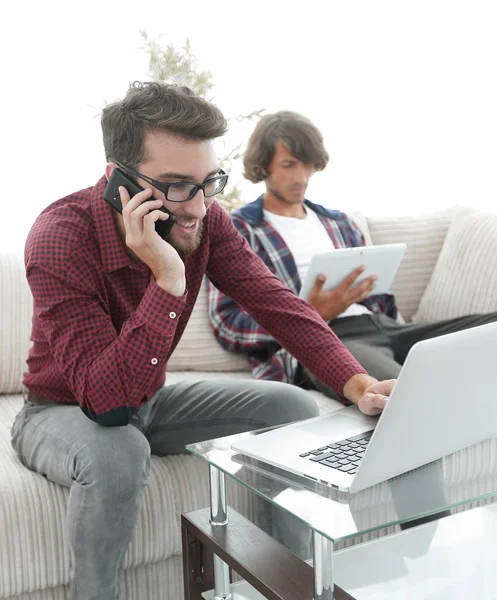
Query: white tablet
{"points": [[382, 261]]}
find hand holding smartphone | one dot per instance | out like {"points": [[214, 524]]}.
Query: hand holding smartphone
{"points": [[112, 197]]}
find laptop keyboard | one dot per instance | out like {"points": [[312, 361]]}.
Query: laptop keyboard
{"points": [[344, 455]]}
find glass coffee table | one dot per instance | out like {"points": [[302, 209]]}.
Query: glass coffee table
{"points": [[333, 516]]}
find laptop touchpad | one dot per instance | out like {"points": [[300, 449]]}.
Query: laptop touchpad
{"points": [[336, 427]]}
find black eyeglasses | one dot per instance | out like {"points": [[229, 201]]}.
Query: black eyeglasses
{"points": [[184, 190]]}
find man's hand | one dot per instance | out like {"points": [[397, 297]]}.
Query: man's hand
{"points": [[370, 395], [332, 303], [139, 216], [375, 397]]}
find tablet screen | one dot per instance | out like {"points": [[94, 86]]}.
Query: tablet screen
{"points": [[382, 261]]}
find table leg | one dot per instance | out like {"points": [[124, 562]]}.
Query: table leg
{"points": [[323, 567], [219, 518]]}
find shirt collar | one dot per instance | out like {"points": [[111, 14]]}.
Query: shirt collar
{"points": [[113, 251], [253, 212]]}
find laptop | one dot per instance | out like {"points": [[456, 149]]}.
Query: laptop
{"points": [[445, 399]]}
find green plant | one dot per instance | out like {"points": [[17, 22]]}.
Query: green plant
{"points": [[171, 64]]}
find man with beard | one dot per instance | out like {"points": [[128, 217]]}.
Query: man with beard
{"points": [[111, 300]]}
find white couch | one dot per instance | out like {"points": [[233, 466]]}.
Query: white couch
{"points": [[33, 553]]}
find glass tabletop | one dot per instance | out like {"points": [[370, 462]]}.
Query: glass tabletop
{"points": [[458, 479]]}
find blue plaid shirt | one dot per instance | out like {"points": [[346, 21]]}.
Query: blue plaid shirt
{"points": [[235, 330]]}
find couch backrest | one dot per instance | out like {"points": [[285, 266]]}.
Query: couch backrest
{"points": [[198, 349], [424, 236], [15, 321]]}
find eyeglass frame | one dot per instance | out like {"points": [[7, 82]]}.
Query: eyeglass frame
{"points": [[164, 187]]}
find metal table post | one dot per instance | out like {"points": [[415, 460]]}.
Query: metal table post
{"points": [[219, 518], [323, 567]]}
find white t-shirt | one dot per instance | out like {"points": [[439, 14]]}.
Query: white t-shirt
{"points": [[304, 238]]}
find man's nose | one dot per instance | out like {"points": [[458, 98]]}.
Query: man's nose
{"points": [[196, 206], [302, 174]]}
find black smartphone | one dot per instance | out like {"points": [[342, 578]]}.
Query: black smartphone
{"points": [[113, 197]]}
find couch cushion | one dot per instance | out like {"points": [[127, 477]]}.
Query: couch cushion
{"points": [[464, 280], [424, 236], [15, 321], [33, 552], [198, 349], [151, 581]]}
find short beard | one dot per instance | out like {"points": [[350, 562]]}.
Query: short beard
{"points": [[187, 250]]}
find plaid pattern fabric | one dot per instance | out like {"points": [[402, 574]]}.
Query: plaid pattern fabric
{"points": [[236, 330], [103, 330]]}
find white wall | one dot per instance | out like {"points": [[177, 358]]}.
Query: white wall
{"points": [[404, 92]]}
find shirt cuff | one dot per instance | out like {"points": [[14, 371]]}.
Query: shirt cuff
{"points": [[160, 309]]}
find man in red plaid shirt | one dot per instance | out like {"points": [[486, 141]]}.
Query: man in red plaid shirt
{"points": [[111, 301]]}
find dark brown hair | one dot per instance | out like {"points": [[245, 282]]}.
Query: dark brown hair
{"points": [[302, 138], [153, 106]]}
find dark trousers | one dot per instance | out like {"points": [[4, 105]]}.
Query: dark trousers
{"points": [[381, 344]]}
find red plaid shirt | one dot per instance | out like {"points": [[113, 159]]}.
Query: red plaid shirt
{"points": [[103, 330]]}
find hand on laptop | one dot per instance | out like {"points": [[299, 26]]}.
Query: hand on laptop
{"points": [[332, 303], [369, 394]]}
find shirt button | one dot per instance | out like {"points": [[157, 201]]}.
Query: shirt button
{"points": [[172, 315], [154, 361]]}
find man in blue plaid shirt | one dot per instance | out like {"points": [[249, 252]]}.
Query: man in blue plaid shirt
{"points": [[285, 230]]}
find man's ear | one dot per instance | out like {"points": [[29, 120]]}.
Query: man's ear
{"points": [[109, 168]]}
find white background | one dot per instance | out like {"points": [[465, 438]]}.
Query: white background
{"points": [[405, 93]]}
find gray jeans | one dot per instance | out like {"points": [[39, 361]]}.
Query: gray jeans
{"points": [[107, 469]]}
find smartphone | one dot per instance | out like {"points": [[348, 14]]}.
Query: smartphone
{"points": [[113, 197]]}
